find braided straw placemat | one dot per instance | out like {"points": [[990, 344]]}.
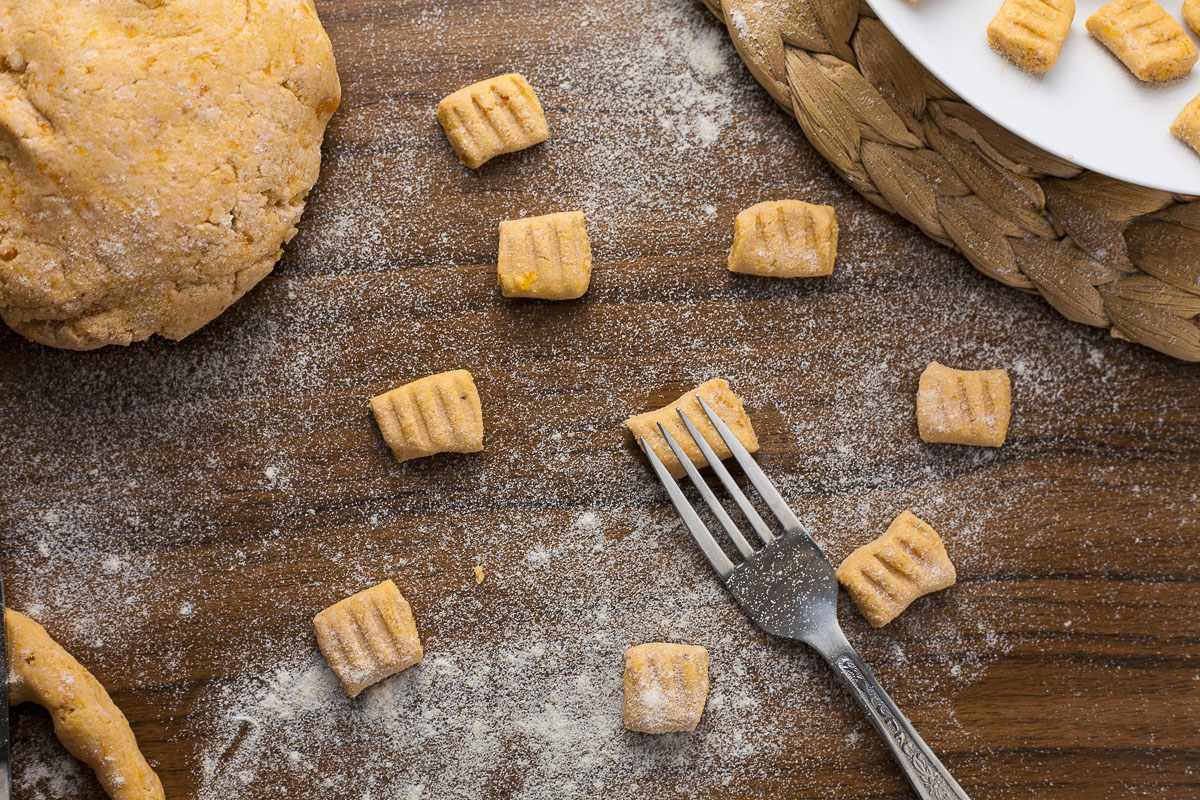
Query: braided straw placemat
{"points": [[1102, 252]]}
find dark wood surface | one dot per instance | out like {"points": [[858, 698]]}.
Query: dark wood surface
{"points": [[175, 513]]}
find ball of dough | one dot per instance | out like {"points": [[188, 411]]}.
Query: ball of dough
{"points": [[154, 158]]}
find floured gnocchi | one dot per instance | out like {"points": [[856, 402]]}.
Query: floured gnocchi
{"points": [[666, 687], [884, 577], [546, 257], [369, 636], [784, 239], [722, 400], [1146, 38], [437, 414], [1031, 33], [1187, 124], [957, 406], [496, 116]]}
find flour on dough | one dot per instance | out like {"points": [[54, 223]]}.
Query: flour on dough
{"points": [[154, 159], [666, 687]]}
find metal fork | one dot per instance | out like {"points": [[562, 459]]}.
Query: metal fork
{"points": [[787, 586]]}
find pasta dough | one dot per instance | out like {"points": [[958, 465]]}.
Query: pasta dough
{"points": [[784, 239], [1031, 33], [154, 159], [492, 117], [963, 407], [438, 414], [666, 687], [369, 636], [1146, 38], [1187, 124], [85, 719], [885, 576], [545, 257], [721, 399]]}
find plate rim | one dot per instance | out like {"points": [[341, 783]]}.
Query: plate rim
{"points": [[962, 88]]}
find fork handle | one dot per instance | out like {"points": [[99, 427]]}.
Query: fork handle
{"points": [[922, 768]]}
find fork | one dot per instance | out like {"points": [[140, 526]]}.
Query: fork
{"points": [[787, 586]]}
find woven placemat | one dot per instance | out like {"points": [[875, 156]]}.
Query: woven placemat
{"points": [[1102, 252]]}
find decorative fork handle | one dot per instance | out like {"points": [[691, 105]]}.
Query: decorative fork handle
{"points": [[920, 765]]}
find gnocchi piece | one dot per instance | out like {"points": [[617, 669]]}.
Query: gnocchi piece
{"points": [[545, 257], [666, 687], [885, 576], [1031, 33], [369, 636], [1146, 38], [1187, 125], [963, 406], [492, 117], [437, 414], [784, 239], [721, 399], [1191, 13]]}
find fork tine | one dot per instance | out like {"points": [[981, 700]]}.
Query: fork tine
{"points": [[766, 489], [716, 556], [711, 499], [731, 486]]}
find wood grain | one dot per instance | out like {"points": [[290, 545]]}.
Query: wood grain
{"points": [[176, 513]]}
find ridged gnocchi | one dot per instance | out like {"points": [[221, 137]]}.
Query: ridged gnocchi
{"points": [[1031, 33], [492, 117], [721, 399], [784, 239], [437, 414], [666, 687], [884, 577], [369, 636], [1146, 38], [547, 257], [964, 406]]}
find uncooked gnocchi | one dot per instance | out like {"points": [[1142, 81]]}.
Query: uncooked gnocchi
{"points": [[546, 257], [492, 117], [963, 407], [1031, 33], [666, 687], [1146, 38], [369, 636], [1187, 124], [721, 399], [784, 239], [437, 414], [887, 575]]}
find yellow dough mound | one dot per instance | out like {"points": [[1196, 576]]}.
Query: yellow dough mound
{"points": [[154, 159]]}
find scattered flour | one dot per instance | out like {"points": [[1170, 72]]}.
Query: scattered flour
{"points": [[285, 500]]}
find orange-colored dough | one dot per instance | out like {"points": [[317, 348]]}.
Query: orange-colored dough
{"points": [[85, 718]]}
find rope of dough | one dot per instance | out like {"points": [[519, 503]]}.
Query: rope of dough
{"points": [[85, 719]]}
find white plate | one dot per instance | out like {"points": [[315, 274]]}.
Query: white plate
{"points": [[1089, 109]]}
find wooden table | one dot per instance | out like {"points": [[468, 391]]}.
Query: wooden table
{"points": [[176, 513]]}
